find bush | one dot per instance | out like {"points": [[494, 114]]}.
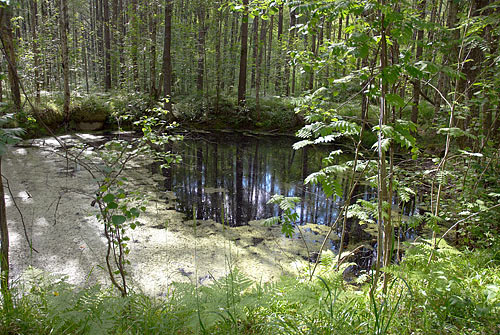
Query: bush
{"points": [[90, 109]]}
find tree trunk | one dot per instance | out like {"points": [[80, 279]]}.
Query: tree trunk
{"points": [[278, 79], [258, 67], [384, 223], [134, 23], [202, 29], [418, 56], [242, 81], [255, 46], [267, 73], [4, 251], [36, 56], [167, 58], [63, 28], [8, 45], [152, 61], [218, 79], [291, 37], [107, 47]]}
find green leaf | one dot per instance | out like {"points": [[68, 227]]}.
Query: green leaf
{"points": [[118, 220], [395, 100], [271, 221], [301, 144], [108, 198], [112, 205], [135, 212]]}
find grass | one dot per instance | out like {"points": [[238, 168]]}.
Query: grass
{"points": [[459, 293]]}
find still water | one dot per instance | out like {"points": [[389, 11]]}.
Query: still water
{"points": [[232, 177]]}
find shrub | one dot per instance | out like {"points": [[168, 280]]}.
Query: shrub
{"points": [[90, 109]]}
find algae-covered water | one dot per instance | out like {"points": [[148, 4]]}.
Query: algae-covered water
{"points": [[230, 176]]}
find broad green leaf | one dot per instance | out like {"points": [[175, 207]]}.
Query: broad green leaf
{"points": [[108, 198], [118, 220]]}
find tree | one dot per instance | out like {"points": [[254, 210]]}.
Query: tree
{"points": [[167, 57], [9, 52], [63, 28], [242, 81], [107, 46]]}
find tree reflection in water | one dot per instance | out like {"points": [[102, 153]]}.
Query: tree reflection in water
{"points": [[241, 173]]}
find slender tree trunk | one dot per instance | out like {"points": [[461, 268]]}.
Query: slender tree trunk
{"points": [[258, 66], [242, 81], [36, 55], [384, 225], [10, 55], [202, 29], [255, 46], [269, 54], [152, 62], [134, 23], [279, 81], [4, 251], [418, 56], [107, 46], [218, 79], [291, 38], [313, 51], [85, 63], [63, 28], [167, 58]]}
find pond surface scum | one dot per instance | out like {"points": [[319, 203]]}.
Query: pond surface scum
{"points": [[220, 173]]}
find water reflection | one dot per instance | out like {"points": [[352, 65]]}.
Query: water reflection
{"points": [[231, 177]]}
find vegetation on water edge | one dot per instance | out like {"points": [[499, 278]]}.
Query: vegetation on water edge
{"points": [[458, 294]]}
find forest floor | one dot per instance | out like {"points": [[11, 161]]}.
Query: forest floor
{"points": [[55, 197]]}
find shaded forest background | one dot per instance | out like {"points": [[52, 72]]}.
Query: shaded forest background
{"points": [[209, 54]]}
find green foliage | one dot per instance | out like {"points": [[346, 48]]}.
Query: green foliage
{"points": [[288, 218], [8, 135], [459, 293], [91, 108]]}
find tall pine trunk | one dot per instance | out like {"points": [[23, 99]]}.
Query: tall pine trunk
{"points": [[63, 28], [242, 81], [10, 55], [107, 46], [167, 57]]}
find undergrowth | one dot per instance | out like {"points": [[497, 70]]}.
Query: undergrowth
{"points": [[458, 293]]}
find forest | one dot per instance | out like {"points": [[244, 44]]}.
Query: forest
{"points": [[250, 167]]}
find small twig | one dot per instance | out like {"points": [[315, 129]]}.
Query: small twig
{"points": [[30, 243], [57, 206], [349, 254]]}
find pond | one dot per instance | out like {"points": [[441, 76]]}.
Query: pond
{"points": [[235, 175]]}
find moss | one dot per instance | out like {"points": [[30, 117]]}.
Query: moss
{"points": [[50, 114], [90, 109]]}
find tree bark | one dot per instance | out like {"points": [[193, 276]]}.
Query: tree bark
{"points": [[4, 251], [291, 37], [255, 46], [167, 57], [36, 56], [279, 80], [258, 66], [202, 30], [107, 47], [8, 46], [242, 81], [63, 28], [152, 61], [418, 56]]}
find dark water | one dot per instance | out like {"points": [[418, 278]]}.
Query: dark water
{"points": [[238, 174]]}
